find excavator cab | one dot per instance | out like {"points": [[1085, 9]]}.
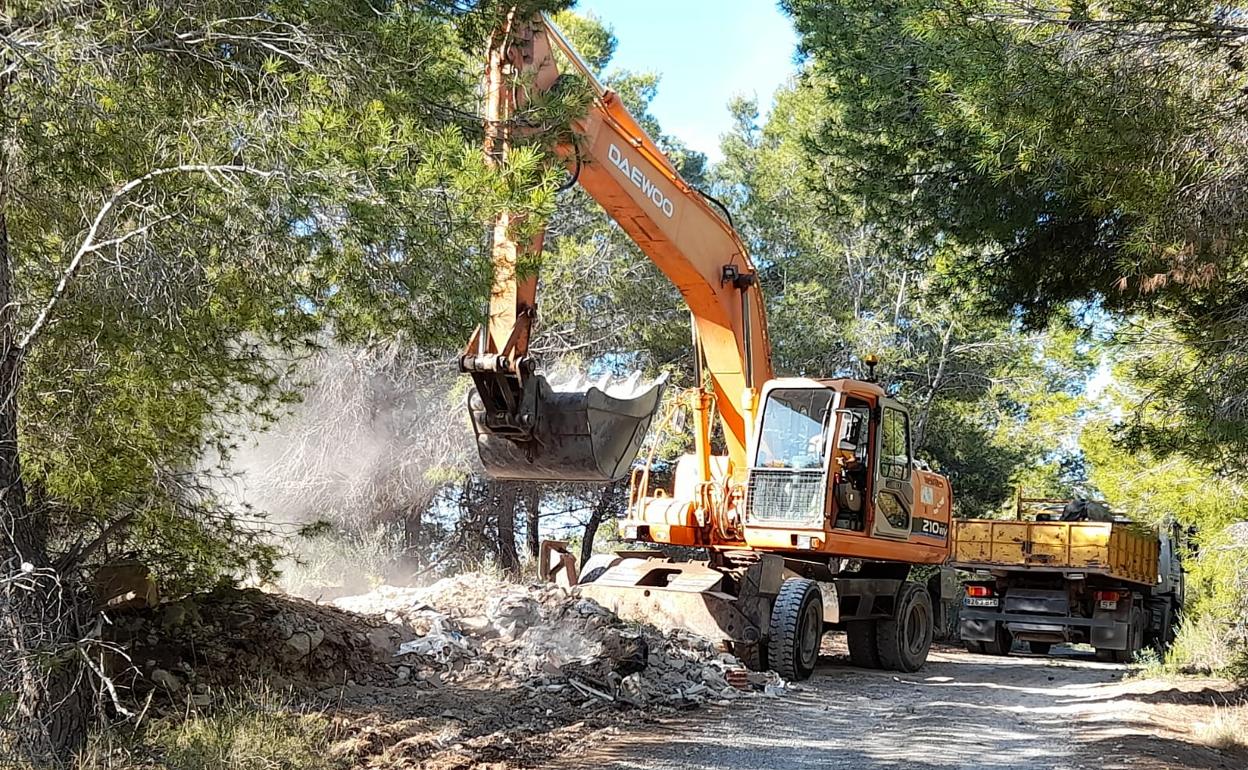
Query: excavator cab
{"points": [[826, 450]]}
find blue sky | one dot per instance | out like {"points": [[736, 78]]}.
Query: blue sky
{"points": [[706, 51]]}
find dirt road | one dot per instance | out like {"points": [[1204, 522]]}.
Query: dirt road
{"points": [[960, 711]]}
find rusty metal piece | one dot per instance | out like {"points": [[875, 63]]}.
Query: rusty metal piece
{"points": [[556, 564], [738, 678]]}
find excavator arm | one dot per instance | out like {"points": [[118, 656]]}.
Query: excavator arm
{"points": [[525, 427]]}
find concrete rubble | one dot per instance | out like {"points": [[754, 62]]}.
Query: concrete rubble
{"points": [[549, 639]]}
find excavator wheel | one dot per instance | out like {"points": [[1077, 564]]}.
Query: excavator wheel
{"points": [[861, 636], [796, 629], [754, 656], [904, 639]]}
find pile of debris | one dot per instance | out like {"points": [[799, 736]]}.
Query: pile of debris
{"points": [[466, 673], [546, 638], [216, 640]]}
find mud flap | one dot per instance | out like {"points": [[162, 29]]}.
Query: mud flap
{"points": [[565, 435]]}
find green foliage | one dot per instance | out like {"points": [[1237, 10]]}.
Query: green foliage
{"points": [[259, 733], [986, 396], [1056, 151], [308, 178], [260, 730], [1213, 637]]}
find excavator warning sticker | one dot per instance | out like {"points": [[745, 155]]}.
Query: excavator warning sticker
{"points": [[930, 528], [928, 496]]}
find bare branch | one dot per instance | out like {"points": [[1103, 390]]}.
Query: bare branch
{"points": [[90, 245]]}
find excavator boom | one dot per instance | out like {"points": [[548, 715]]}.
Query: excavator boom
{"points": [[526, 428]]}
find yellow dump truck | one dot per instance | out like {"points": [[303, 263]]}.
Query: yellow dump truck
{"points": [[1066, 571]]}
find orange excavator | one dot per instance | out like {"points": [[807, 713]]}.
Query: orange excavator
{"points": [[815, 512]]}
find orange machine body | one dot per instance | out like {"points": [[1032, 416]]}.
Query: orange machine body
{"points": [[857, 493]]}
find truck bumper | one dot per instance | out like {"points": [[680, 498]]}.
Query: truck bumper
{"points": [[979, 625]]}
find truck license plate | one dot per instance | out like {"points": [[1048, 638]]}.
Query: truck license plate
{"points": [[976, 601]]}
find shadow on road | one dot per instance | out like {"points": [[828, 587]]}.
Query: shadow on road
{"points": [[960, 711]]}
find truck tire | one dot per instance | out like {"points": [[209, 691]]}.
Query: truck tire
{"points": [[973, 646], [861, 637], [905, 639], [1040, 648], [1113, 656], [1002, 644], [796, 629]]}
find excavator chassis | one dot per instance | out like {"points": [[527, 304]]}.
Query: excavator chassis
{"points": [[736, 607], [646, 587]]}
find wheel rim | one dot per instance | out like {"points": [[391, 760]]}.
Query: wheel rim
{"points": [[808, 636], [916, 636]]}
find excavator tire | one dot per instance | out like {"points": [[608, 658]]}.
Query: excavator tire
{"points": [[754, 656], [796, 629], [904, 639], [863, 647]]}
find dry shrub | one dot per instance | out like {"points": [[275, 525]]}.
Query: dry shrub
{"points": [[258, 731], [1226, 729]]}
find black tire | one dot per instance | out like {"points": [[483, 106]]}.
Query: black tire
{"points": [[796, 629], [1040, 648], [905, 639], [864, 651], [754, 656], [1113, 656], [1002, 644], [973, 646]]}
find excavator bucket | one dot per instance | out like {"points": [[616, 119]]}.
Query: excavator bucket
{"points": [[570, 432]]}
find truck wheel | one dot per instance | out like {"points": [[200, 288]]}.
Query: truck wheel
{"points": [[905, 638], [1040, 648], [1113, 656], [864, 649], [796, 629], [973, 646], [1002, 644]]}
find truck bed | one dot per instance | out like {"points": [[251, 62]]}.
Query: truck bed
{"points": [[1117, 550]]}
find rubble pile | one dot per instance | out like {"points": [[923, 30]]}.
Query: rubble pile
{"points": [[549, 639], [469, 672], [226, 636]]}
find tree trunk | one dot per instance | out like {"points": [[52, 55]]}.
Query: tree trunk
{"points": [[605, 499], [533, 519], [40, 610], [505, 506]]}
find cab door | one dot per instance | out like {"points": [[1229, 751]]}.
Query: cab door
{"points": [[893, 487]]}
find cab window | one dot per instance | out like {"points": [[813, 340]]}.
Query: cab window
{"points": [[895, 445], [793, 430]]}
